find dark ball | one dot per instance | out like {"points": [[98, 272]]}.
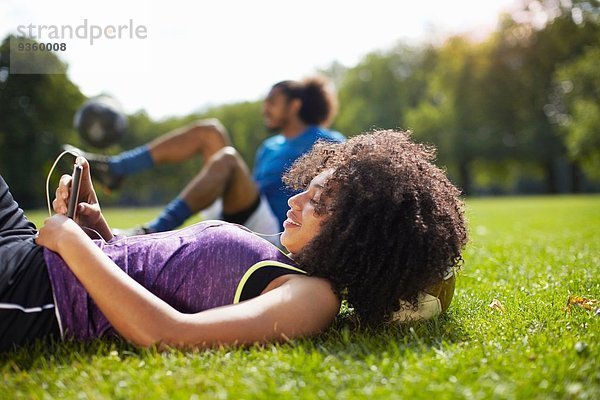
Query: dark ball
{"points": [[100, 121]]}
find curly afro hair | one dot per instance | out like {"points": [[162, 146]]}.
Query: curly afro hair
{"points": [[394, 222]]}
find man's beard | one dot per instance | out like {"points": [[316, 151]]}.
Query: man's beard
{"points": [[278, 127]]}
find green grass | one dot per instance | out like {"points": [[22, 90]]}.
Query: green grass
{"points": [[528, 253]]}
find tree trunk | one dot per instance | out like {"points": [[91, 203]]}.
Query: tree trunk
{"points": [[465, 177], [551, 178], [575, 178]]}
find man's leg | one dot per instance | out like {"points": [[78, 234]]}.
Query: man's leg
{"points": [[204, 137], [224, 175]]}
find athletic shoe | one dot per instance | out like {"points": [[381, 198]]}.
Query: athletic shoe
{"points": [[135, 231], [99, 168]]}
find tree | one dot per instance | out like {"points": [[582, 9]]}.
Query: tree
{"points": [[378, 91], [528, 50], [577, 109], [450, 114], [36, 117]]}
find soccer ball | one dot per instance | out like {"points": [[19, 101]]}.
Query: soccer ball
{"points": [[100, 121], [431, 302]]}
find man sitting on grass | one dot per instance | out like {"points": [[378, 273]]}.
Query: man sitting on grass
{"points": [[298, 110]]}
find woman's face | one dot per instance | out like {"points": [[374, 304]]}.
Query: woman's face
{"points": [[302, 223]]}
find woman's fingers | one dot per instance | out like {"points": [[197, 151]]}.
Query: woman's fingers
{"points": [[64, 187], [59, 206], [85, 176], [62, 194], [86, 191], [87, 188]]}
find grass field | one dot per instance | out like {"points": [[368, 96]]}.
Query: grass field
{"points": [[528, 254]]}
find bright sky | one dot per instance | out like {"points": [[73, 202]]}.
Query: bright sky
{"points": [[197, 53]]}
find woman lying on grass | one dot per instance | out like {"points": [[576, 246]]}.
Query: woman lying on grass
{"points": [[377, 224]]}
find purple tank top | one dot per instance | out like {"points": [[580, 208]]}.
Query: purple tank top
{"points": [[193, 269]]}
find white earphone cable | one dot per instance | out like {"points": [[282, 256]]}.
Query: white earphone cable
{"points": [[50, 174]]}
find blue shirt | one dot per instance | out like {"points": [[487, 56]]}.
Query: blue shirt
{"points": [[276, 155]]}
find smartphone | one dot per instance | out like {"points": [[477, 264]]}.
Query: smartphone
{"points": [[74, 197]]}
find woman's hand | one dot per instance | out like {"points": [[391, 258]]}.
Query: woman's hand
{"points": [[88, 213], [56, 231]]}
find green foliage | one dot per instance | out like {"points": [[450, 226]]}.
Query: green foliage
{"points": [[538, 54], [578, 86], [487, 104], [36, 113], [450, 114], [378, 91], [530, 254]]}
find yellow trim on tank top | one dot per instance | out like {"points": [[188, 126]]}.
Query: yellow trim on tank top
{"points": [[252, 269]]}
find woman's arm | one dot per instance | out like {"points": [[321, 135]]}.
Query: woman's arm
{"points": [[131, 309], [299, 307]]}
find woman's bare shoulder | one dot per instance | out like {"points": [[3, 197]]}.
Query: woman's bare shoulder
{"points": [[301, 281], [309, 289]]}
